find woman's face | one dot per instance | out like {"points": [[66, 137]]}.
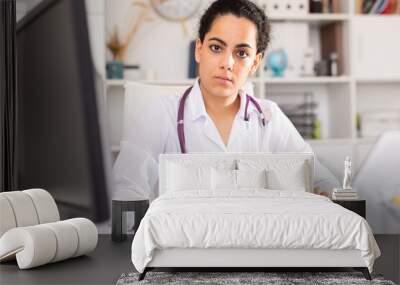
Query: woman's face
{"points": [[227, 55]]}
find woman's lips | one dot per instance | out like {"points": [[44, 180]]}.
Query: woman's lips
{"points": [[223, 80]]}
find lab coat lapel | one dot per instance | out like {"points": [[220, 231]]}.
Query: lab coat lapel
{"points": [[198, 110], [211, 132], [233, 134]]}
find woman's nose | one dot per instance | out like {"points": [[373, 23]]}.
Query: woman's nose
{"points": [[227, 61]]}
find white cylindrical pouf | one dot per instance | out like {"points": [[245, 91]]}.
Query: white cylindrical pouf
{"points": [[45, 205], [7, 218], [87, 233], [34, 246], [67, 239], [23, 208]]}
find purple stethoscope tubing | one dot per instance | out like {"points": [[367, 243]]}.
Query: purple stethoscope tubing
{"points": [[181, 110]]}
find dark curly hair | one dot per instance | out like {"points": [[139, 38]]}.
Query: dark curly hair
{"points": [[239, 8]]}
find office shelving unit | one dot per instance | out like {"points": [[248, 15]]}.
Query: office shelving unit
{"points": [[371, 70]]}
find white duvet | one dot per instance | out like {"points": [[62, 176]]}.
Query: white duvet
{"points": [[253, 218]]}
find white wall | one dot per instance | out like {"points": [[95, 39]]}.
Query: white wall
{"points": [[95, 10], [159, 46]]}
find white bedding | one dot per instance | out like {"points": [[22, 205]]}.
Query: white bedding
{"points": [[251, 218]]}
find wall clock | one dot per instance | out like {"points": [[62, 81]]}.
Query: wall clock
{"points": [[176, 10]]}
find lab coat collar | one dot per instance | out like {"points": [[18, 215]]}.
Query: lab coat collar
{"points": [[196, 103], [198, 109], [251, 107]]}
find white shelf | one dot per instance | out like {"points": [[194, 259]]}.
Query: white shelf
{"points": [[345, 141], [115, 82], [187, 81], [121, 82], [270, 80], [378, 80], [374, 16], [306, 80], [315, 19]]}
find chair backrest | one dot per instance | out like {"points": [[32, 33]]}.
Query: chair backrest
{"points": [[26, 208], [140, 95]]}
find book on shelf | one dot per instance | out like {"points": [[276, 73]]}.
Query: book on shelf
{"points": [[378, 7], [331, 6], [359, 7], [331, 36]]}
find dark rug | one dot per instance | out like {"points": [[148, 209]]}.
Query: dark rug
{"points": [[273, 278]]}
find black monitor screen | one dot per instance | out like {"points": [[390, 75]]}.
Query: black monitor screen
{"points": [[59, 141]]}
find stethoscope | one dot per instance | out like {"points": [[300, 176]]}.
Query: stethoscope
{"points": [[181, 108]]}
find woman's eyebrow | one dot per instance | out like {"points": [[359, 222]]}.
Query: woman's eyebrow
{"points": [[225, 44]]}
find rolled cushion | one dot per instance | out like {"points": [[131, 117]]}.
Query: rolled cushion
{"points": [[87, 233], [45, 205], [33, 246], [26, 208], [67, 240], [40, 244], [7, 218], [23, 208]]}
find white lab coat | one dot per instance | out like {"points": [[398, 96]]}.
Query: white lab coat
{"points": [[155, 132]]}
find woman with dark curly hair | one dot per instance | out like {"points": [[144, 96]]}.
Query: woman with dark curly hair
{"points": [[218, 113]]}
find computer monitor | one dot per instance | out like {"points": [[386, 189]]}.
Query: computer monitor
{"points": [[61, 143]]}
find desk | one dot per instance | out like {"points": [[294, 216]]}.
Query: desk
{"points": [[102, 266], [111, 259]]}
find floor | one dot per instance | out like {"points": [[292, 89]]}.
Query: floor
{"points": [[102, 266], [110, 260], [389, 262]]}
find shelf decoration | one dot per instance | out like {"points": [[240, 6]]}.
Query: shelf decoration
{"points": [[118, 46], [277, 61]]}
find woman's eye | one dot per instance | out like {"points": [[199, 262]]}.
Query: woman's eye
{"points": [[215, 48], [242, 54]]}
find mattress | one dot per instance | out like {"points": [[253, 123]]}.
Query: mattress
{"points": [[251, 219]]}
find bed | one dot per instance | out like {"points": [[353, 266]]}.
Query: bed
{"points": [[247, 210]]}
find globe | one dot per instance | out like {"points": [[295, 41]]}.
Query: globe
{"points": [[277, 61]]}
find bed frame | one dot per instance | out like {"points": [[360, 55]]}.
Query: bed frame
{"points": [[235, 259], [250, 259]]}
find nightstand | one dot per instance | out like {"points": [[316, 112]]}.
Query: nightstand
{"points": [[119, 210], [357, 206]]}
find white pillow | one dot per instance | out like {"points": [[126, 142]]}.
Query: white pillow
{"points": [[281, 174], [223, 179], [294, 178], [251, 178], [183, 177]]}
